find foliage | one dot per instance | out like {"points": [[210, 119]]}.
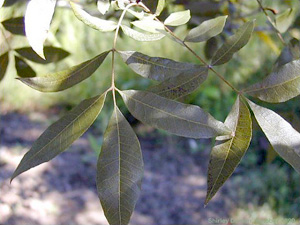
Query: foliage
{"points": [[120, 164]]}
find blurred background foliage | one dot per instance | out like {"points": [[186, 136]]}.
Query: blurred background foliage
{"points": [[262, 181]]}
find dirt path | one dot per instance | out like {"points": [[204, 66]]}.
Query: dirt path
{"points": [[63, 191]]}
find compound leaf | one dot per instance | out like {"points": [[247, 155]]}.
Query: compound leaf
{"points": [[178, 18], [138, 36], [206, 30], [181, 85], [52, 54], [38, 17], [60, 135], [155, 68], [23, 69], [282, 136], [175, 117], [15, 25], [94, 22], [119, 170], [67, 78], [4, 59], [226, 156], [281, 85], [233, 44]]}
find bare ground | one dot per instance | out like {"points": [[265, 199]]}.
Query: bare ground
{"points": [[63, 191]]}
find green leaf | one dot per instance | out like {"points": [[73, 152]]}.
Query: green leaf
{"points": [[103, 6], [233, 44], [284, 20], [38, 17], [67, 78], [138, 36], [60, 135], [210, 48], [282, 136], [160, 7], [148, 24], [226, 156], [1, 3], [94, 22], [289, 53], [4, 59], [23, 69], [15, 25], [119, 170], [155, 68], [178, 18], [281, 85], [181, 85], [175, 117], [206, 30], [52, 54]]}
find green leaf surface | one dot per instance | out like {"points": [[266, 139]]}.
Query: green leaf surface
{"points": [[23, 69], [160, 7], [138, 36], [156, 68], [282, 136], [178, 18], [38, 17], [233, 44], [4, 60], [15, 25], [52, 54], [181, 85], [210, 48], [103, 6], [226, 156], [94, 22], [206, 30], [175, 117], [67, 78], [119, 170], [148, 24], [280, 86], [284, 20], [60, 135]]}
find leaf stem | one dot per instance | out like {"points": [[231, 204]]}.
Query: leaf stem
{"points": [[191, 50], [113, 87], [271, 22]]}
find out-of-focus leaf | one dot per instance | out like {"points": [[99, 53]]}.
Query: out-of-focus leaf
{"points": [[52, 54], [119, 170], [233, 44], [155, 68], [167, 34], [94, 22], [160, 7], [210, 48], [3, 64], [289, 53], [148, 24], [284, 20], [280, 86], [67, 78], [271, 154], [282, 136], [181, 85], [60, 135], [175, 117], [178, 18], [23, 69], [138, 36], [38, 17], [1, 3], [206, 30], [226, 156], [15, 25], [103, 6], [269, 41]]}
